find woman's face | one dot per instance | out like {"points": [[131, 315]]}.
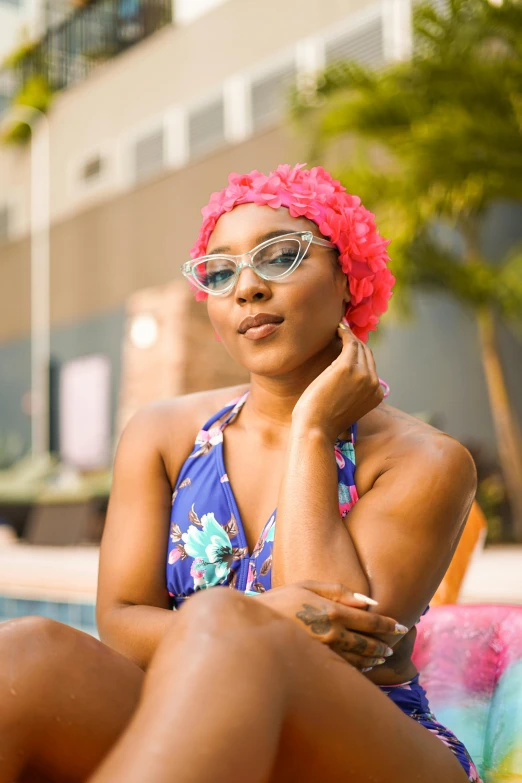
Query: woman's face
{"points": [[311, 301]]}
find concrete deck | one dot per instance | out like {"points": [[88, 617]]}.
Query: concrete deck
{"points": [[70, 574]]}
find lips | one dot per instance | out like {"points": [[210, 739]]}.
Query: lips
{"points": [[260, 319]]}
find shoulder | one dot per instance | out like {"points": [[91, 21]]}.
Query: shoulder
{"points": [[166, 429], [392, 439]]}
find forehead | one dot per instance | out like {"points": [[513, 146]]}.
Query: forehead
{"points": [[245, 226]]}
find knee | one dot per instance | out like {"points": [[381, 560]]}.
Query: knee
{"points": [[219, 614], [32, 649], [221, 610]]}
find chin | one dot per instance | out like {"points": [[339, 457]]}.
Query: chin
{"points": [[268, 359]]}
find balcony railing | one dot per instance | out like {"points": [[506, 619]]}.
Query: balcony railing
{"points": [[92, 34]]}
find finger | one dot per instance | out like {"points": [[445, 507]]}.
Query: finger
{"points": [[358, 661], [372, 371], [366, 646], [362, 359], [358, 643], [369, 623], [348, 338], [336, 591], [370, 359]]}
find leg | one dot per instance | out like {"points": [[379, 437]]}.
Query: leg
{"points": [[64, 700], [235, 687]]}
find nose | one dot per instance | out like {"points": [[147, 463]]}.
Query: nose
{"points": [[251, 288]]}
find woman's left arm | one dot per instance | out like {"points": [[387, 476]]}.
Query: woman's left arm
{"points": [[398, 539]]}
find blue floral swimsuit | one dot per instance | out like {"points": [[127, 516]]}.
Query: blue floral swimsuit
{"points": [[207, 545]]}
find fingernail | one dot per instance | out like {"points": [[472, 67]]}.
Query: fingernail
{"points": [[388, 652], [368, 669], [378, 661], [365, 599], [342, 326], [400, 628]]}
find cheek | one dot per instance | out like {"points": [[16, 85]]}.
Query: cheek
{"points": [[219, 314], [318, 300]]}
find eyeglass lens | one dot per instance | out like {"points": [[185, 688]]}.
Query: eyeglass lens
{"points": [[215, 272]]}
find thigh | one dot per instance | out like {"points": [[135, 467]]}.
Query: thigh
{"points": [[64, 699], [340, 726]]}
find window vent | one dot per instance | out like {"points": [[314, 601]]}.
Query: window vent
{"points": [[206, 128], [92, 169], [4, 223], [362, 45], [270, 96], [149, 155]]}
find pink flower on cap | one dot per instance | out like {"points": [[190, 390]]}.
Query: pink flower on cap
{"points": [[316, 195]]}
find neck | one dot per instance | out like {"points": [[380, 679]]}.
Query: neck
{"points": [[272, 399]]}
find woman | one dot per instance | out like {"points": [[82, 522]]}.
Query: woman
{"points": [[310, 679]]}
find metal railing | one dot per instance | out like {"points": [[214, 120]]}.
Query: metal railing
{"points": [[92, 34]]}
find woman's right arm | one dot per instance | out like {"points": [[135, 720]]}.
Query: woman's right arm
{"points": [[133, 604]]}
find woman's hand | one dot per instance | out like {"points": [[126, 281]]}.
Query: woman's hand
{"points": [[344, 392], [335, 616]]}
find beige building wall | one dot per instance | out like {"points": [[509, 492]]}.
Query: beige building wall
{"points": [[114, 236], [139, 239], [163, 77]]}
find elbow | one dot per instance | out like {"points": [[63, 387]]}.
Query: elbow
{"points": [[108, 621]]}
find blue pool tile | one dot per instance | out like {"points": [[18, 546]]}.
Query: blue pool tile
{"points": [[78, 615]]}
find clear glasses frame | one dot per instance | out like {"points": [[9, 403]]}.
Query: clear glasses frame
{"points": [[305, 239]]}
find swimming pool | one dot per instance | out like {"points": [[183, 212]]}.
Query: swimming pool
{"points": [[79, 615]]}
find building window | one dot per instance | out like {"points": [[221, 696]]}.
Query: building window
{"points": [[149, 154], [363, 44], [4, 223], [206, 128], [270, 96]]}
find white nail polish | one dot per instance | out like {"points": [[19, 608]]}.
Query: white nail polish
{"points": [[368, 669], [365, 599]]}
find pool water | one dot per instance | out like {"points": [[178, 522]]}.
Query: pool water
{"points": [[78, 615]]}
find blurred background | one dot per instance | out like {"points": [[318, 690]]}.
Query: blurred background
{"points": [[118, 118]]}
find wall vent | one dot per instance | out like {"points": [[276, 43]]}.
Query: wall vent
{"points": [[206, 128], [149, 154], [363, 44], [270, 96]]}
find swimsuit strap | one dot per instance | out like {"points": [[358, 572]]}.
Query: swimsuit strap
{"points": [[232, 408]]}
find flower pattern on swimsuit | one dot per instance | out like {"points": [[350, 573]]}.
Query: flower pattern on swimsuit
{"points": [[207, 545], [207, 541]]}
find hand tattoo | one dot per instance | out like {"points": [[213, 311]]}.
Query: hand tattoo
{"points": [[316, 619], [359, 645]]}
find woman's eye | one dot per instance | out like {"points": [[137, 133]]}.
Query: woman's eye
{"points": [[287, 257], [218, 277]]}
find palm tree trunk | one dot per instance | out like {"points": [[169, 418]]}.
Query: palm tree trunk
{"points": [[509, 441]]}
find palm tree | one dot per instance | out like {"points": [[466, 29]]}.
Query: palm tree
{"points": [[437, 141]]}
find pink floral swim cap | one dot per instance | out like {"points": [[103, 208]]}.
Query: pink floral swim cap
{"points": [[314, 194]]}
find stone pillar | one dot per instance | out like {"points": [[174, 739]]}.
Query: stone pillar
{"points": [[169, 348]]}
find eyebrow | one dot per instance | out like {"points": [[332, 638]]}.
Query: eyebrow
{"points": [[259, 240]]}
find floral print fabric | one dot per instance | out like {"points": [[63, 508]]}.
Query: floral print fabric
{"points": [[411, 698], [207, 545]]}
